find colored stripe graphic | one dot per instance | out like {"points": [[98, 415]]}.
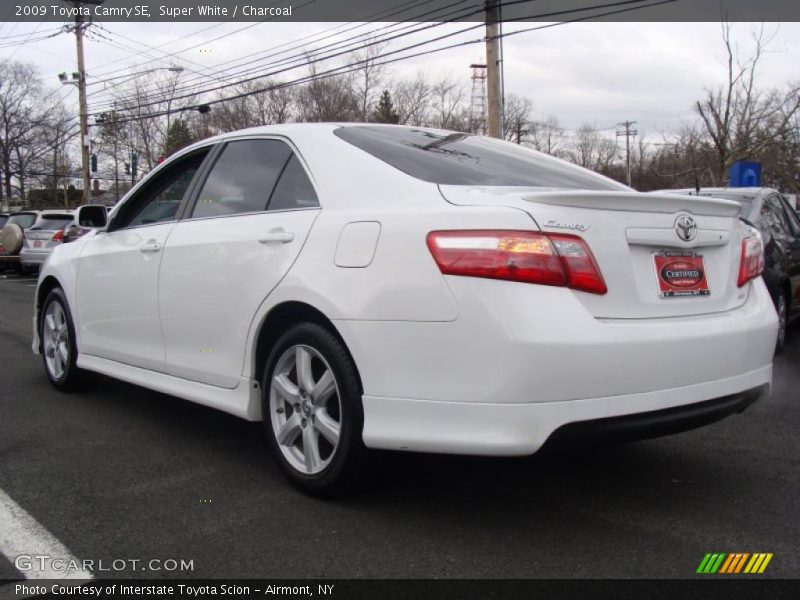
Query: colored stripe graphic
{"points": [[711, 563], [733, 563]]}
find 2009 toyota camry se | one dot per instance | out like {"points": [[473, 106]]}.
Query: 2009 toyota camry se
{"points": [[372, 286]]}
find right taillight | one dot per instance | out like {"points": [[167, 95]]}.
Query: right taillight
{"points": [[751, 264], [525, 256]]}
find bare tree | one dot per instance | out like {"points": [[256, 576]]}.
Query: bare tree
{"points": [[447, 106], [21, 114], [591, 150], [741, 121], [368, 77], [326, 98], [546, 136], [412, 99], [516, 118]]}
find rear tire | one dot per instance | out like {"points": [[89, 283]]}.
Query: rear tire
{"points": [[57, 342], [313, 414], [782, 307]]}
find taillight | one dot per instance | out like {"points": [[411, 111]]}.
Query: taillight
{"points": [[751, 264], [58, 235], [526, 256]]}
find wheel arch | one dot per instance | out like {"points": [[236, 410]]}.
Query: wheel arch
{"points": [[279, 319], [47, 285]]}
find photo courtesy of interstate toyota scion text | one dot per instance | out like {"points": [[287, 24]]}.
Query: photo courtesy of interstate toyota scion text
{"points": [[382, 287]]}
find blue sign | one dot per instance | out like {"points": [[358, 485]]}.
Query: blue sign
{"points": [[744, 174]]}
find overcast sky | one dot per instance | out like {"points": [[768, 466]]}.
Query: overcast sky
{"points": [[600, 73]]}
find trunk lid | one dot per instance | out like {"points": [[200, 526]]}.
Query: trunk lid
{"points": [[625, 231]]}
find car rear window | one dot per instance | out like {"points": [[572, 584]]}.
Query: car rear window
{"points": [[24, 220], [3, 219], [464, 159], [52, 222]]}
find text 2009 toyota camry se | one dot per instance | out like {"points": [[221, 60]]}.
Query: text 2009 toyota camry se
{"points": [[372, 286]]}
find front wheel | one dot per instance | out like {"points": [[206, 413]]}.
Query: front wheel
{"points": [[313, 415], [57, 336]]}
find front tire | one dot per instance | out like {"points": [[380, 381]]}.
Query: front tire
{"points": [[57, 338], [312, 409]]}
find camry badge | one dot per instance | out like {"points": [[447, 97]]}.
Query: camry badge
{"points": [[686, 228], [559, 225]]}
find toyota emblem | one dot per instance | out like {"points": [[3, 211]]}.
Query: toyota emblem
{"points": [[686, 228]]}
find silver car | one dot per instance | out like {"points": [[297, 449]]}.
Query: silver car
{"points": [[54, 227]]}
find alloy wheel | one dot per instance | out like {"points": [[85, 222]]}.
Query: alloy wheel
{"points": [[55, 340], [305, 409]]}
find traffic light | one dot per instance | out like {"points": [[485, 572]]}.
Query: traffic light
{"points": [[127, 168], [134, 164], [94, 163]]}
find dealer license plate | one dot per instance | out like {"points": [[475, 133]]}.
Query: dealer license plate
{"points": [[680, 274]]}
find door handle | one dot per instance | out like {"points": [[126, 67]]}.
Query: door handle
{"points": [[278, 236], [150, 246]]}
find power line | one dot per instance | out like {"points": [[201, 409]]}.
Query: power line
{"points": [[385, 39], [230, 33], [356, 66], [302, 58]]}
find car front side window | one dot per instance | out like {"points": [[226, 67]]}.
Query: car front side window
{"points": [[158, 201]]}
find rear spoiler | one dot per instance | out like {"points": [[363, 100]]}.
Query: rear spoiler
{"points": [[639, 202]]}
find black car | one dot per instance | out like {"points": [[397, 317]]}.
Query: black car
{"points": [[770, 212]]}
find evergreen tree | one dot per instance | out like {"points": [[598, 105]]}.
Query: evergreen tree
{"points": [[178, 137], [384, 111]]}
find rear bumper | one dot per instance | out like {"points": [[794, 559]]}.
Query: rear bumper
{"points": [[522, 429], [33, 257], [629, 428]]}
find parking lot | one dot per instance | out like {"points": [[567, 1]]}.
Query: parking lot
{"points": [[120, 472]]}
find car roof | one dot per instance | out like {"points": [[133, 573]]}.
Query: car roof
{"points": [[291, 129]]}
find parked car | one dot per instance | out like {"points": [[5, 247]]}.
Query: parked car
{"points": [[54, 227], [362, 287], [12, 236], [779, 224]]}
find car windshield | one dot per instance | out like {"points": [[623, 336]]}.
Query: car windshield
{"points": [[52, 222], [24, 220], [464, 159]]}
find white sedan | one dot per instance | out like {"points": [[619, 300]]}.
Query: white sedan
{"points": [[364, 287]]}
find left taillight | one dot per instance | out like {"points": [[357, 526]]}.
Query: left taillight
{"points": [[58, 236], [524, 256], [751, 262]]}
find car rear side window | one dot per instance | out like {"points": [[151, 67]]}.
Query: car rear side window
{"points": [[24, 220], [243, 178], [52, 222], [464, 159], [294, 190]]}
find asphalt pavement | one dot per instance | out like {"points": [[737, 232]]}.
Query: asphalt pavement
{"points": [[120, 472]]}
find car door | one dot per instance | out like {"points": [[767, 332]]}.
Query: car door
{"points": [[117, 278], [248, 222]]}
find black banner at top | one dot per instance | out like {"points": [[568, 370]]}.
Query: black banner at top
{"points": [[397, 10]]}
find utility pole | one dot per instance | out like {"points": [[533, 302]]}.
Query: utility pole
{"points": [[84, 111], [494, 91], [628, 133], [84, 116]]}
